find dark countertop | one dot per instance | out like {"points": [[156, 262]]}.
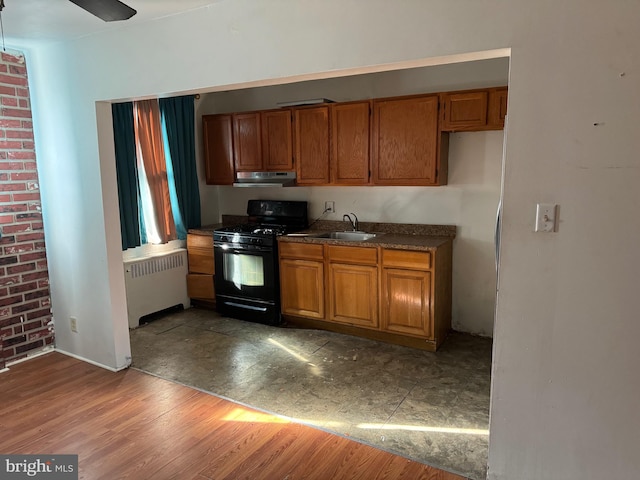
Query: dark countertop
{"points": [[205, 229], [402, 236], [397, 241]]}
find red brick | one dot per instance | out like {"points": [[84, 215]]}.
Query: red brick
{"points": [[5, 198], [16, 112], [13, 80], [10, 58], [6, 90], [17, 207], [21, 155], [39, 314], [23, 287], [3, 292], [20, 134], [21, 268], [27, 277], [9, 122], [13, 187], [6, 219], [23, 103], [10, 101], [17, 228], [10, 300], [7, 239], [25, 307], [17, 69], [4, 177], [21, 197], [36, 294], [21, 248], [8, 145], [28, 145], [22, 92], [11, 165], [9, 280], [8, 260], [20, 217], [28, 237], [31, 166], [28, 257]]}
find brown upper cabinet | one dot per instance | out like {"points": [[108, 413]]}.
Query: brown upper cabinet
{"points": [[218, 149], [311, 127], [262, 141], [387, 141], [350, 143], [277, 142], [497, 107], [473, 110], [406, 142]]}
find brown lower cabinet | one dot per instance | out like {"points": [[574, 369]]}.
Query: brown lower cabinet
{"points": [[201, 268], [395, 295]]}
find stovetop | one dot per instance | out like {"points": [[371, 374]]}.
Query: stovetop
{"points": [[255, 229]]}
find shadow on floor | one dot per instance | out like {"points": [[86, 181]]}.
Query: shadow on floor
{"points": [[430, 407]]}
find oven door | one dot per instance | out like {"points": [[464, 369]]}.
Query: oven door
{"points": [[246, 272]]}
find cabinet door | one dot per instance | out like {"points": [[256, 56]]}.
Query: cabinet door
{"points": [[497, 108], [353, 294], [200, 287], [312, 145], [277, 146], [350, 143], [464, 110], [302, 288], [405, 141], [218, 149], [200, 253], [247, 143], [406, 306]]}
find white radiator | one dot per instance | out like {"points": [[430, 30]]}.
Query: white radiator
{"points": [[155, 283]]}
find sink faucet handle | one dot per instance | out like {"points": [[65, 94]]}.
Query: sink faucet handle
{"points": [[355, 222], [347, 218]]}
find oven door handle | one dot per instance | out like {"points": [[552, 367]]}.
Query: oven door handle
{"points": [[240, 251]]}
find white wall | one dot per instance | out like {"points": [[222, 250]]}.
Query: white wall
{"points": [[565, 386]]}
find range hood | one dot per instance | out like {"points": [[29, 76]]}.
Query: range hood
{"points": [[265, 179]]}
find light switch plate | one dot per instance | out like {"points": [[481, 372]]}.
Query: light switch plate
{"points": [[546, 217]]}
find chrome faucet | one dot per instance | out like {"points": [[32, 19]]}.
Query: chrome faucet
{"points": [[354, 222]]}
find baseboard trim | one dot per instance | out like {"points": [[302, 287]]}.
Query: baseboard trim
{"points": [[97, 364]]}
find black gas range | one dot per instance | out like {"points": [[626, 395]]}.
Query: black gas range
{"points": [[246, 260]]}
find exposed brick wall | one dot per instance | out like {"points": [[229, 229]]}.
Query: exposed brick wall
{"points": [[25, 311]]}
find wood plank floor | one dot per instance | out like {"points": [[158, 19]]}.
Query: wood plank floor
{"points": [[130, 425]]}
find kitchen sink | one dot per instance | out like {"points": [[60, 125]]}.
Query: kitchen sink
{"points": [[348, 236]]}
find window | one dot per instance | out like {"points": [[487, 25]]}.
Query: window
{"points": [[155, 163]]}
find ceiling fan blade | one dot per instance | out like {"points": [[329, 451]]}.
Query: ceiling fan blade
{"points": [[107, 10]]}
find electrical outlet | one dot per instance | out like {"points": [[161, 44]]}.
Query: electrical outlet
{"points": [[73, 323], [329, 207], [546, 217]]}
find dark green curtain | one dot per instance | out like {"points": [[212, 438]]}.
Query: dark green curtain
{"points": [[125, 144], [179, 123]]}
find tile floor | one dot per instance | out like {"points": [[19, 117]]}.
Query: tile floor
{"points": [[430, 407]]}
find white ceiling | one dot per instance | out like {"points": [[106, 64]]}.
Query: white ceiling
{"points": [[30, 22]]}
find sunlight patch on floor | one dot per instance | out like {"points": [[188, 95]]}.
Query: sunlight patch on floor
{"points": [[420, 428]]}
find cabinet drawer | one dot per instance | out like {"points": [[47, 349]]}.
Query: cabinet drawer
{"points": [[201, 241], [201, 262], [301, 250], [360, 255], [200, 286], [406, 259]]}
